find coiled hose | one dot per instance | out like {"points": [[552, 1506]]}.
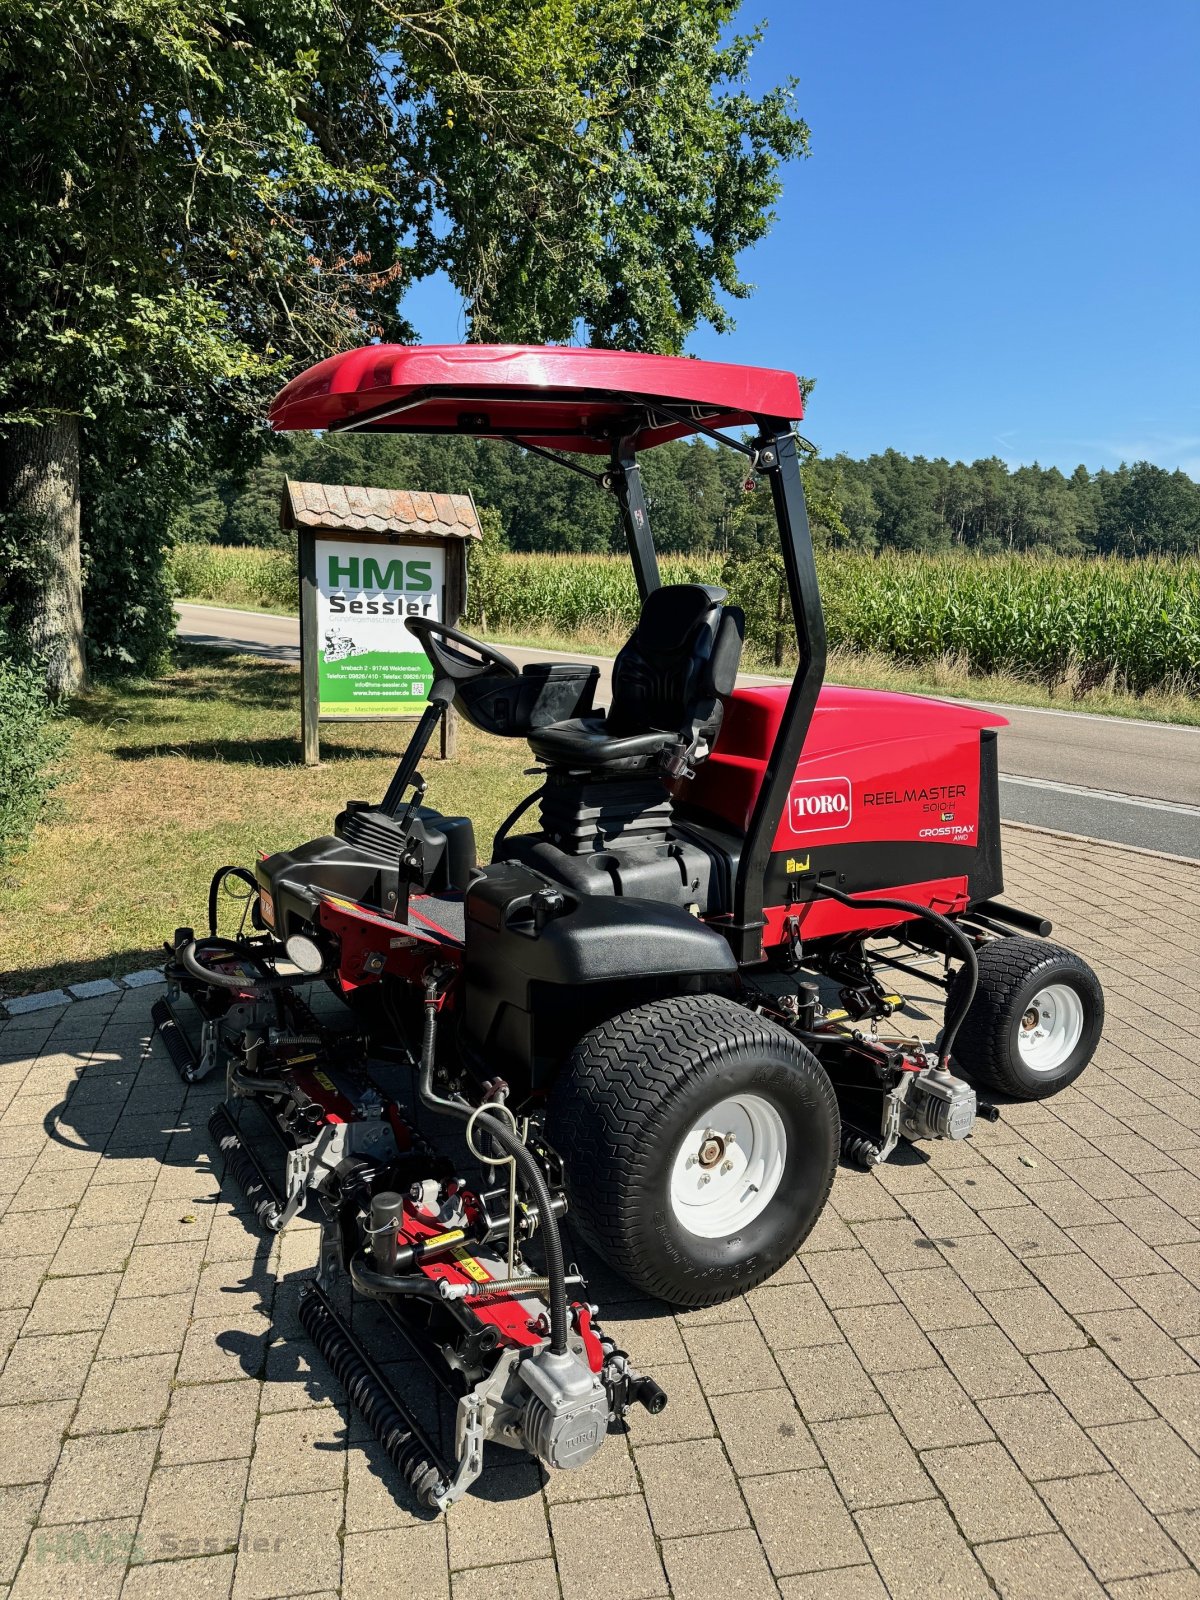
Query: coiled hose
{"points": [[404, 1447], [956, 936], [510, 1143]]}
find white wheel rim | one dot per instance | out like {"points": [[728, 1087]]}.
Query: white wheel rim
{"points": [[728, 1167], [1050, 1027]]}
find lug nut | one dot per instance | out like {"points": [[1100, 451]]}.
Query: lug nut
{"points": [[727, 1166]]}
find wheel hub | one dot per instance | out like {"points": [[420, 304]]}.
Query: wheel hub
{"points": [[728, 1166], [712, 1149], [1051, 1026]]}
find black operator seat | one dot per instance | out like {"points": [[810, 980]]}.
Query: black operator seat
{"points": [[666, 687]]}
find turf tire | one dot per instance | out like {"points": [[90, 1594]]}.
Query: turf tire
{"points": [[617, 1116], [1011, 972]]}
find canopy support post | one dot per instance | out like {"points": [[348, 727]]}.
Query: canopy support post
{"points": [[779, 458], [635, 518]]}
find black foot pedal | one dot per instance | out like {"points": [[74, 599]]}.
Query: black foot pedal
{"points": [[179, 1048], [398, 1431], [243, 1166]]}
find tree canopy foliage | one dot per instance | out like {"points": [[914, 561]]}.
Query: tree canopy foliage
{"points": [[197, 199], [705, 499]]}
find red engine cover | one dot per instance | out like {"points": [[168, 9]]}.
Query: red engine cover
{"points": [[884, 780]]}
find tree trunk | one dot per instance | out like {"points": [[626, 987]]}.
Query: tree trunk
{"points": [[39, 492]]}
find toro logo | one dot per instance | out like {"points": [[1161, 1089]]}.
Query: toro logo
{"points": [[820, 804]]}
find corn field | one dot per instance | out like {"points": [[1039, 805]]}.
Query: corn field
{"points": [[1134, 623]]}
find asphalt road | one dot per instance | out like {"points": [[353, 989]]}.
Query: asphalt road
{"points": [[1135, 783]]}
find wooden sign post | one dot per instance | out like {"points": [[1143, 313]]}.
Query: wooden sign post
{"points": [[369, 558]]}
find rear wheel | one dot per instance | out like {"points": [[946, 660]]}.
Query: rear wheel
{"points": [[1035, 1021], [699, 1143]]}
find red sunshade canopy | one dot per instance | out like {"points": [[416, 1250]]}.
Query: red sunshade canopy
{"points": [[549, 395]]}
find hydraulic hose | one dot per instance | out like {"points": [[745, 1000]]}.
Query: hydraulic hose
{"points": [[228, 949], [956, 936], [510, 1143], [218, 878], [556, 1268], [382, 1284]]}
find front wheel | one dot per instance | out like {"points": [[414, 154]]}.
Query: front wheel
{"points": [[1035, 1021], [699, 1142]]}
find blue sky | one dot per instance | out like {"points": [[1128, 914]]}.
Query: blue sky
{"points": [[995, 246]]}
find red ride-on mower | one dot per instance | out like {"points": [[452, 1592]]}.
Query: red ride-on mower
{"points": [[661, 1007]]}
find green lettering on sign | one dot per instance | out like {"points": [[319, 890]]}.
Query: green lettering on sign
{"points": [[392, 577], [351, 568]]}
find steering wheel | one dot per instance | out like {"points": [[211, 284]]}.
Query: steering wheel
{"points": [[438, 640]]}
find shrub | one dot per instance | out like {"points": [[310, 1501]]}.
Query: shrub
{"points": [[30, 738]]}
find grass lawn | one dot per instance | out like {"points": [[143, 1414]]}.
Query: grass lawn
{"points": [[170, 779]]}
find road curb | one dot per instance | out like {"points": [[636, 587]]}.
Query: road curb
{"points": [[25, 1005], [1108, 844]]}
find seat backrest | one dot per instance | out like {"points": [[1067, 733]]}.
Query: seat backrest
{"points": [[681, 657]]}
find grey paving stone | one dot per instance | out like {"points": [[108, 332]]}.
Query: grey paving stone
{"points": [[920, 1552], [1032, 1569], [289, 1546], [687, 1415], [987, 1363], [18, 1512], [1078, 1284], [871, 1461], [594, 1566], [733, 1358], [792, 1316], [1136, 1344], [762, 1433], [986, 1493], [1091, 1388], [81, 1562], [829, 1381], [199, 1578], [1033, 1320], [710, 1564], [803, 1522], [192, 1511], [100, 1477], [847, 1583], [886, 1338], [1116, 1535], [502, 1520], [128, 1393], [933, 1414], [210, 1423], [1154, 1461], [850, 1278], [92, 988], [689, 1488], [32, 1436], [24, 1005], [54, 1367], [532, 1580], [1042, 1437]]}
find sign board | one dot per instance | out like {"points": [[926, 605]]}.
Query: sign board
{"points": [[368, 664], [368, 560]]}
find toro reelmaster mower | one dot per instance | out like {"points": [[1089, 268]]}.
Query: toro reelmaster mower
{"points": [[660, 1006]]}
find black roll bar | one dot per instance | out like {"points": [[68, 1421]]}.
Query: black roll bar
{"points": [[635, 517], [779, 458]]}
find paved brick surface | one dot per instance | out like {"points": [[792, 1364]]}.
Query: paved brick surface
{"points": [[980, 1375]]}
